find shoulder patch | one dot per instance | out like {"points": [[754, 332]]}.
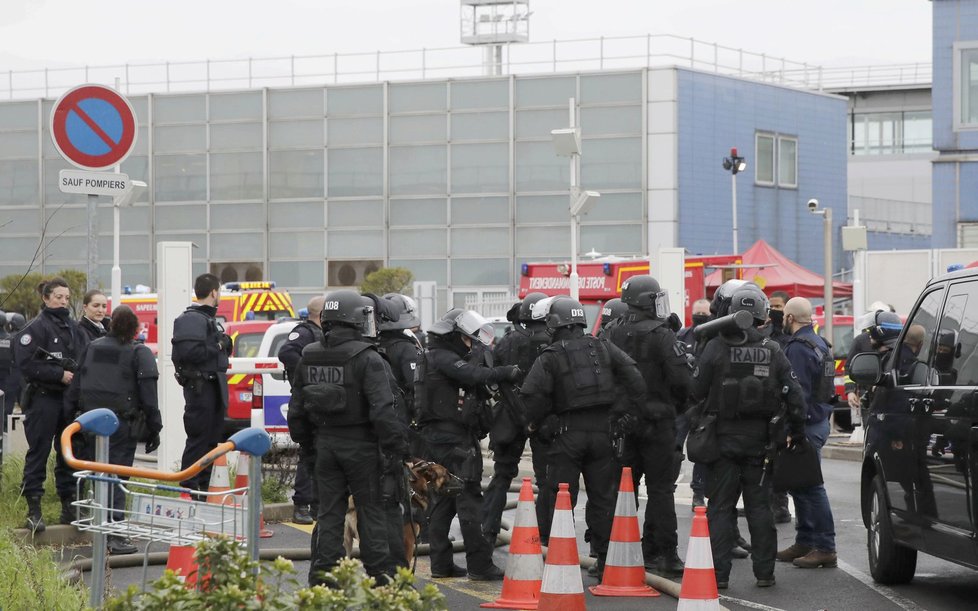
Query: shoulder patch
{"points": [[678, 348], [460, 364], [414, 366], [293, 336], [25, 339]]}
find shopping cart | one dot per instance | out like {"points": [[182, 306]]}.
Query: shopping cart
{"points": [[150, 513]]}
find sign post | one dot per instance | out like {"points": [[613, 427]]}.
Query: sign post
{"points": [[94, 128]]}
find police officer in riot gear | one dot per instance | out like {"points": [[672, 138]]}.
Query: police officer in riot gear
{"points": [[450, 394], [121, 375], [46, 353], [611, 314], [744, 378], [519, 347], [11, 388], [342, 404], [577, 381], [401, 346], [200, 354], [645, 336]]}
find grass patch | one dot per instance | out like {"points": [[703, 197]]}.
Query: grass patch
{"points": [[30, 579]]}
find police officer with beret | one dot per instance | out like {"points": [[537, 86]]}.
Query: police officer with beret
{"points": [[201, 350], [342, 404]]}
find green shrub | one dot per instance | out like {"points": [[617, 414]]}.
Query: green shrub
{"points": [[228, 583]]}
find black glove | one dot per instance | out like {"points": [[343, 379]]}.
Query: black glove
{"points": [[674, 323], [506, 373], [153, 444], [225, 343]]}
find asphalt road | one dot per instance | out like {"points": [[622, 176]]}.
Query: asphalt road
{"points": [[938, 584]]}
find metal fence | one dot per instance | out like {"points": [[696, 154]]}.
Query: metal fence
{"points": [[893, 216], [618, 52]]}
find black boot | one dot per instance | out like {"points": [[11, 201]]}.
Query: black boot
{"points": [[67, 510], [669, 564], [34, 520]]}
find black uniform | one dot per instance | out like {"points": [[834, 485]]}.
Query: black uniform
{"points": [[745, 383], [122, 377], [652, 449], [583, 381], [289, 354], [92, 330], [54, 331], [402, 354], [519, 347], [6, 367], [342, 403], [200, 355], [450, 401]]}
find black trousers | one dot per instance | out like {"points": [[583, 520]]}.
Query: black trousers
{"points": [[203, 421], [726, 480], [505, 469], [574, 453], [344, 465], [122, 451], [653, 454], [305, 485], [468, 507], [44, 421]]}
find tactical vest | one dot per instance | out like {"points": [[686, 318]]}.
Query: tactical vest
{"points": [[585, 378], [436, 397], [746, 388], [332, 391], [523, 349], [824, 388], [6, 352], [637, 342], [108, 378]]}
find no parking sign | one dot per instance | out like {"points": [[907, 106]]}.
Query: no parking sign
{"points": [[93, 127]]}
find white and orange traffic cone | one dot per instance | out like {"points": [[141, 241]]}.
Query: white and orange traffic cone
{"points": [[220, 482], [182, 560], [699, 590], [562, 588], [624, 570], [241, 484], [524, 567]]}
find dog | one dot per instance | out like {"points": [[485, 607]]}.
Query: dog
{"points": [[425, 480]]}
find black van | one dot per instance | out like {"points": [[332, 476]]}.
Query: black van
{"points": [[920, 457]]}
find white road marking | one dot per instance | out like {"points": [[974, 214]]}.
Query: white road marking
{"points": [[748, 604], [885, 592]]}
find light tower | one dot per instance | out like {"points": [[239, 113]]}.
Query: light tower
{"points": [[493, 23]]}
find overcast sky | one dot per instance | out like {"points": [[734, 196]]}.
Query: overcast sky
{"points": [[39, 33]]}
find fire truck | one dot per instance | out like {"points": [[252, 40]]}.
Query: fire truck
{"points": [[600, 279]]}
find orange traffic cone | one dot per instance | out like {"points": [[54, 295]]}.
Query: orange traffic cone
{"points": [[524, 567], [220, 482], [624, 571], [182, 561], [241, 483], [562, 588], [699, 590]]}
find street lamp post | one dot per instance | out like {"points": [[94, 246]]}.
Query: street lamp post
{"points": [[126, 199], [826, 214], [734, 164]]}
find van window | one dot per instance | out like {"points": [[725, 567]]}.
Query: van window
{"points": [[914, 351], [955, 360]]}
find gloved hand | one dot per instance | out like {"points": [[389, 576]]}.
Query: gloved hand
{"points": [[674, 323], [153, 444], [506, 373], [225, 343]]}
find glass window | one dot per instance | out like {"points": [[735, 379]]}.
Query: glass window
{"points": [[882, 130], [480, 94], [597, 88], [480, 168], [18, 182], [137, 167], [787, 161], [180, 177], [131, 247], [295, 134], [140, 105], [295, 245], [418, 212], [956, 352], [414, 97], [919, 341], [64, 249], [418, 242], [611, 239], [362, 130], [177, 138], [355, 100], [355, 244], [611, 164], [622, 120], [67, 219], [479, 210], [543, 241], [179, 109], [305, 215], [355, 172], [295, 103], [20, 221], [542, 209], [238, 216], [480, 272], [18, 144], [538, 168], [180, 218], [764, 166], [236, 176], [482, 241], [131, 218], [418, 170], [237, 246], [969, 86], [298, 273], [19, 249], [616, 207], [19, 115], [539, 123], [235, 106], [236, 136], [418, 128], [917, 132], [293, 174], [480, 126], [425, 269], [360, 213], [547, 91]]}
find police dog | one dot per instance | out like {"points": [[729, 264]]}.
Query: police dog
{"points": [[425, 479]]}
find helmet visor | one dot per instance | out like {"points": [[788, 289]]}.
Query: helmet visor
{"points": [[662, 305], [475, 326], [369, 326], [540, 309]]}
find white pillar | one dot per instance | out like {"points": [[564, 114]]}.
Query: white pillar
{"points": [[174, 273]]}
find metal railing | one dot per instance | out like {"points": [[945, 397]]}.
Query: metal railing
{"points": [[886, 75], [893, 216], [602, 53]]}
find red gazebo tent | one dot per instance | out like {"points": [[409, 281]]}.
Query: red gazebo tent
{"points": [[776, 272]]}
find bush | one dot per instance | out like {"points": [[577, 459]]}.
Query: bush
{"points": [[387, 280], [229, 584]]}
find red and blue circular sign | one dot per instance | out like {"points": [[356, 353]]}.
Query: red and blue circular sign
{"points": [[93, 127]]}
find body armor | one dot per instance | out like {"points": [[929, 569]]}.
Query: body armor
{"points": [[585, 374], [332, 391], [747, 389], [111, 374]]}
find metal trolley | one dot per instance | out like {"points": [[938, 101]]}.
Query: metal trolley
{"points": [[150, 513]]}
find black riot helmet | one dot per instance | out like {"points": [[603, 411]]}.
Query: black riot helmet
{"points": [[565, 313], [886, 328], [720, 306], [350, 308], [526, 306], [612, 310], [15, 322], [749, 297], [640, 291], [407, 311]]}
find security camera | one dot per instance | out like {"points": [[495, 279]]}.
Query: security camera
{"points": [[812, 205]]}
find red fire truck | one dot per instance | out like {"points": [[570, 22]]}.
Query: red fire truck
{"points": [[601, 279]]}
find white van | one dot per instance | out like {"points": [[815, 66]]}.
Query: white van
{"points": [[273, 388]]}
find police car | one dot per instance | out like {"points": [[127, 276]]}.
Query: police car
{"points": [[271, 392]]}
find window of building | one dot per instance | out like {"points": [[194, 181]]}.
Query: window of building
{"points": [[776, 160], [966, 85], [764, 167], [890, 133], [787, 161]]}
